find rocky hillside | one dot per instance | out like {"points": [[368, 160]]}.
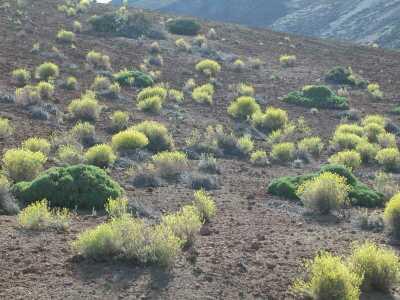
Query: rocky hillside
{"points": [[365, 21]]}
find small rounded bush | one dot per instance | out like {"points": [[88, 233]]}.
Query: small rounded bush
{"points": [[342, 141], [150, 92], [158, 135], [119, 120], [329, 278], [21, 77], [324, 193], [389, 158], [238, 65], [372, 131], [86, 108], [183, 27], [273, 119], [77, 26], [69, 155], [245, 90], [36, 144], [349, 158], [152, 104], [45, 90], [208, 67], [205, 205], [100, 84], [6, 129], [259, 158], [101, 155], [98, 60], [350, 128], [182, 45], [245, 144], [283, 152], [170, 164], [47, 70], [287, 60], [129, 139], [175, 95], [379, 267], [243, 108], [65, 36], [80, 186], [203, 94], [391, 215], [375, 119], [311, 145], [84, 133], [387, 140], [367, 151], [71, 83], [21, 164]]}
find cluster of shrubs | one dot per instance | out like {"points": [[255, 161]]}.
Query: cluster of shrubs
{"points": [[85, 108], [133, 77], [344, 76], [184, 27], [368, 267]]}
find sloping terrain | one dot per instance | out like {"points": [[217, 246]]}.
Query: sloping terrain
{"points": [[364, 21], [255, 246]]}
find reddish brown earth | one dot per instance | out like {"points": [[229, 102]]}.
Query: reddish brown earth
{"points": [[255, 246]]}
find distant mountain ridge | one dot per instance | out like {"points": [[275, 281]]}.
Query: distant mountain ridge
{"points": [[363, 21]]}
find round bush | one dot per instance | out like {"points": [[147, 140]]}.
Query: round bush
{"points": [[243, 107], [86, 108], [208, 67], [324, 193], [22, 164], [35, 144], [129, 139], [100, 155], [183, 27], [392, 215], [389, 158], [349, 158], [80, 186], [47, 70], [367, 151], [157, 133], [311, 145], [283, 152], [170, 164], [342, 141], [273, 119]]}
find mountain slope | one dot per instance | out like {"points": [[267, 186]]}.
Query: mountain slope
{"points": [[364, 21]]}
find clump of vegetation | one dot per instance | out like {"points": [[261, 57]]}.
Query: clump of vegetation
{"points": [[117, 208], [374, 91], [389, 158], [119, 120], [367, 151], [387, 140], [203, 94], [65, 36], [170, 164], [271, 120], [46, 71], [76, 26], [21, 164], [239, 65], [6, 129], [385, 184], [38, 216], [8, 205], [129, 139], [324, 193], [71, 83], [283, 152], [378, 267], [101, 155], [208, 67], [70, 155], [341, 75], [288, 60], [86, 108], [133, 77], [245, 145], [329, 278], [182, 45], [317, 96], [349, 158], [359, 193], [208, 163], [243, 107], [259, 158], [151, 104], [98, 60], [21, 77], [175, 95], [184, 27], [28, 95], [36, 144], [84, 133], [245, 90], [157, 134], [45, 90], [311, 145], [392, 215], [80, 186]]}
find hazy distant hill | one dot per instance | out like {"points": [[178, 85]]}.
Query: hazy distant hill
{"points": [[364, 21]]}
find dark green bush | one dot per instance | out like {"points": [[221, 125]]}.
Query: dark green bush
{"points": [[359, 194], [341, 75], [183, 27], [135, 77], [318, 96], [81, 186]]}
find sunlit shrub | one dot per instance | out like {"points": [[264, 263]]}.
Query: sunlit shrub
{"points": [[175, 95], [158, 135], [349, 128], [376, 119], [101, 83], [245, 90], [152, 104], [6, 129], [367, 151], [343, 141], [287, 60], [129, 139], [101, 155], [98, 60], [373, 130], [387, 140], [23, 164], [389, 158], [21, 77], [117, 208], [76, 26], [245, 144], [28, 95], [375, 91], [182, 45], [45, 90], [259, 158], [203, 94], [208, 67], [47, 70], [348, 158], [86, 108], [69, 155], [170, 164], [71, 83], [84, 133], [273, 119], [283, 152], [119, 120], [386, 184], [65, 36], [392, 215], [311, 145], [243, 107], [239, 65], [36, 144], [150, 92]]}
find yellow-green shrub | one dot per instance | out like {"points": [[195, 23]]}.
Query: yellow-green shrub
{"points": [[170, 164], [119, 120], [129, 139], [6, 128], [28, 95], [152, 104], [101, 155], [38, 216], [36, 144], [71, 83], [329, 278], [175, 95], [387, 140], [21, 77], [185, 224], [350, 128], [182, 45], [117, 208], [98, 60], [77, 26], [150, 92], [101, 83], [259, 158], [373, 130], [245, 144], [349, 158], [342, 141], [367, 151], [158, 135], [287, 60], [23, 165], [389, 158], [376, 119], [205, 205], [203, 93], [243, 107], [69, 155], [283, 152], [378, 267], [245, 90], [45, 90], [375, 91], [324, 193], [273, 119], [65, 36], [85, 108], [391, 215], [47, 70], [208, 67], [311, 145], [83, 132], [238, 65]]}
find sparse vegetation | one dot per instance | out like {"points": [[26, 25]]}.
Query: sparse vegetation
{"points": [[288, 60], [98, 60], [392, 215], [36, 144], [65, 36]]}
